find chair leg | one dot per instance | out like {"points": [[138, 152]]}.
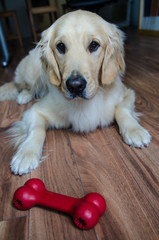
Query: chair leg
{"points": [[18, 29], [56, 15], [4, 48], [32, 27], [50, 17]]}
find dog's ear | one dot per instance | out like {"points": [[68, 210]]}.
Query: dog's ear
{"points": [[113, 62], [49, 63], [50, 66], [53, 69]]}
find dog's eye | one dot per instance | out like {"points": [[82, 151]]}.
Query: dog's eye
{"points": [[93, 46], [61, 48]]}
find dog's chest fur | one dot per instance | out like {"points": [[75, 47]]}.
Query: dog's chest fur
{"points": [[86, 115]]}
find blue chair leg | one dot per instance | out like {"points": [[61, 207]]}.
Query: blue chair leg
{"points": [[4, 48]]}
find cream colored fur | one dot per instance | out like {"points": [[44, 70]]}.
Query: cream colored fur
{"points": [[105, 97], [28, 82]]}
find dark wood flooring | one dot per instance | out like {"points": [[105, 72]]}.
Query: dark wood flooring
{"points": [[77, 164]]}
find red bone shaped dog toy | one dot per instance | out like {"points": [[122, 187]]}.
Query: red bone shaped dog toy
{"points": [[85, 211]]}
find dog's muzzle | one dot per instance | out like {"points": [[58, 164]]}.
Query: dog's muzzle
{"points": [[76, 86]]}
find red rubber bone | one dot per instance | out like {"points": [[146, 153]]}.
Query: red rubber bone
{"points": [[85, 211]]}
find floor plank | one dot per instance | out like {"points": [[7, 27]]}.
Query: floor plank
{"points": [[14, 229]]}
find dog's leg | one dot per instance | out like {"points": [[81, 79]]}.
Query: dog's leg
{"points": [[24, 96], [132, 132], [29, 135], [8, 91]]}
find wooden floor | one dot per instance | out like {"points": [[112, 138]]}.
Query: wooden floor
{"points": [[77, 164]]}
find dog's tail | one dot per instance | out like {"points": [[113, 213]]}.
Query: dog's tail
{"points": [[8, 91]]}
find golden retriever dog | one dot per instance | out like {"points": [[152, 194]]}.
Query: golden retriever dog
{"points": [[80, 62]]}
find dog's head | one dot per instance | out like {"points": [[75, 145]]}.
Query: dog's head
{"points": [[81, 51]]}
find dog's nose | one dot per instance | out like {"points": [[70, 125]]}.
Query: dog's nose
{"points": [[76, 84]]}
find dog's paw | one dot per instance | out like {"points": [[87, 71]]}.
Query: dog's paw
{"points": [[24, 97], [24, 162], [137, 137]]}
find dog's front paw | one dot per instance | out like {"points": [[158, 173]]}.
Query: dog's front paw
{"points": [[24, 97], [24, 162], [137, 137]]}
